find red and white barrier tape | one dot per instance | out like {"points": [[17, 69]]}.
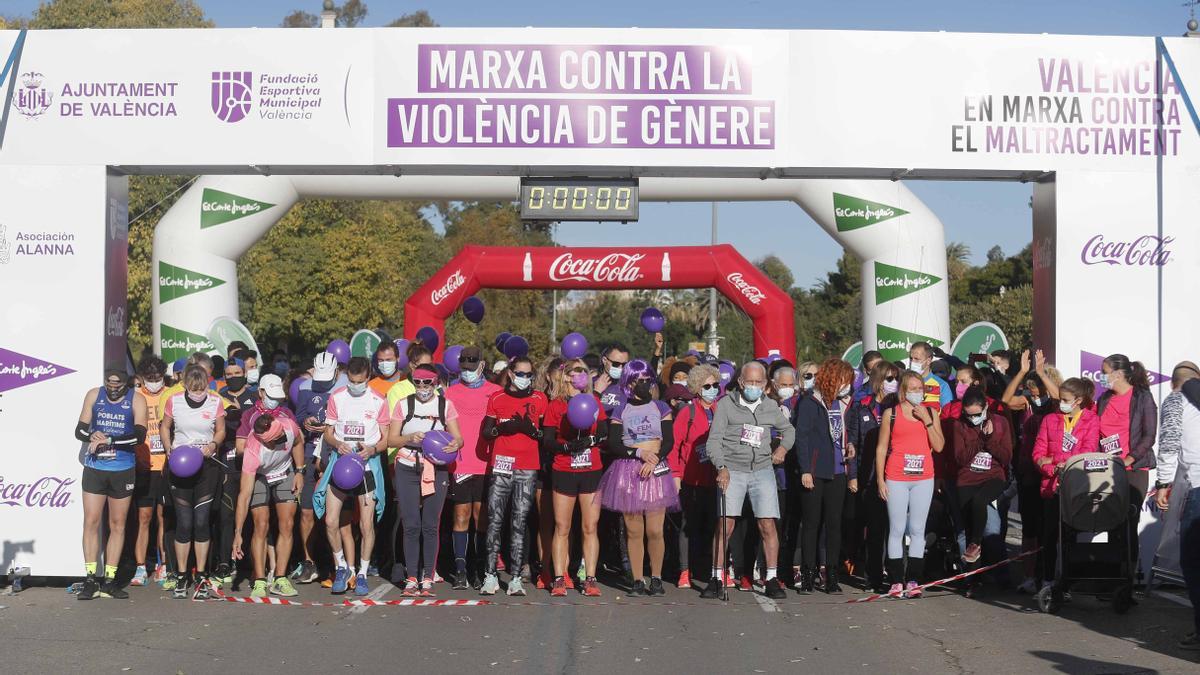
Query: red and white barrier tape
{"points": [[406, 602], [947, 580]]}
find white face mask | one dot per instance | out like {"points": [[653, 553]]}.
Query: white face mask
{"points": [[270, 403], [891, 387], [977, 419], [356, 388], [252, 375], [614, 373], [424, 395], [844, 392], [154, 387], [1066, 408], [786, 392], [387, 368], [915, 397], [522, 383]]}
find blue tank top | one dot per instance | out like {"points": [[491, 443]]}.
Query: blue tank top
{"points": [[112, 419]]}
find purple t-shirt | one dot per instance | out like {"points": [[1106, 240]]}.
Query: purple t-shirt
{"points": [[641, 422], [612, 397]]}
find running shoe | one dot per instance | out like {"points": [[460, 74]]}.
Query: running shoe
{"points": [[89, 589], [745, 585], [459, 581], [638, 588], [912, 590], [139, 576], [260, 589], [515, 587], [1190, 642], [411, 588], [490, 585], [685, 579], [160, 573], [896, 591], [971, 555], [558, 588], [180, 591], [569, 582], [203, 589], [427, 587], [360, 585], [341, 580], [216, 582], [543, 580], [437, 578], [224, 574], [170, 580], [327, 582], [307, 572], [730, 581], [656, 587], [110, 589], [774, 590], [1029, 586], [590, 588], [283, 586], [372, 571]]}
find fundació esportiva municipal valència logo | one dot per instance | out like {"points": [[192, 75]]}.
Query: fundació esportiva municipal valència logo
{"points": [[33, 99], [232, 94]]}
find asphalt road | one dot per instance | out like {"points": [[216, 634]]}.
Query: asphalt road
{"points": [[45, 630]]}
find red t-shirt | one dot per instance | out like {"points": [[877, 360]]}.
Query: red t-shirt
{"points": [[519, 448], [1115, 421], [584, 460]]}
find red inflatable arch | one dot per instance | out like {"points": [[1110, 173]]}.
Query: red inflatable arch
{"points": [[476, 267]]}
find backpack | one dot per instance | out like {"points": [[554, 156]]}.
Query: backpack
{"points": [[411, 404]]}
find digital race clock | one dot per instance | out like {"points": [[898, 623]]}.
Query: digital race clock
{"points": [[579, 199]]}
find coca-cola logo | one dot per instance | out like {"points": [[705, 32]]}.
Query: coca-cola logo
{"points": [[614, 267], [452, 284], [1147, 249], [46, 492], [752, 292]]}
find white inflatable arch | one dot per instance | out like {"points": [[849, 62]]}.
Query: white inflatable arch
{"points": [[898, 239]]}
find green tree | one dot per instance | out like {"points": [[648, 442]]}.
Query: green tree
{"points": [[777, 271], [349, 14], [418, 19], [149, 199], [119, 14]]}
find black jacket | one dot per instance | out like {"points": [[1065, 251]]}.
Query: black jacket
{"points": [[814, 445], [862, 429]]}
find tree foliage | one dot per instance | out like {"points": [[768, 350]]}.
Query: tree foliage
{"points": [[119, 14]]}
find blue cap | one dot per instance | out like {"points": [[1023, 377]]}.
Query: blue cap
{"points": [[179, 365]]}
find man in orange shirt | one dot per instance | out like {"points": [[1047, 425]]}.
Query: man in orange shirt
{"points": [[150, 487]]}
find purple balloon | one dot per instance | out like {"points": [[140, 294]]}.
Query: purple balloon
{"points": [[450, 358], [501, 339], [473, 309], [516, 346], [727, 373], [772, 358], [185, 460], [693, 352], [433, 447], [582, 411], [348, 471], [340, 350], [574, 346], [402, 352], [428, 337], [652, 320]]}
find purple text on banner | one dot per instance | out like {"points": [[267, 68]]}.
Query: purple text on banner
{"points": [[578, 123], [594, 69]]}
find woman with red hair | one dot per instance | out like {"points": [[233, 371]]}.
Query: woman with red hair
{"points": [[827, 468]]}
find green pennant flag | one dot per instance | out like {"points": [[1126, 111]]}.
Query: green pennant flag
{"points": [[853, 354], [176, 343], [892, 282], [225, 330], [894, 343], [364, 342], [176, 282], [852, 213], [217, 207]]}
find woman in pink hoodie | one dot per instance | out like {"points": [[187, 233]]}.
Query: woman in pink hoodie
{"points": [[1072, 431]]}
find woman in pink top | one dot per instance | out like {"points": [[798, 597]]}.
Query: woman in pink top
{"points": [[1072, 431]]}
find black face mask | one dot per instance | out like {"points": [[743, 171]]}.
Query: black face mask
{"points": [[641, 391], [236, 383], [115, 394]]}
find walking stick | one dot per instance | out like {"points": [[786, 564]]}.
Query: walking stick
{"points": [[722, 548]]}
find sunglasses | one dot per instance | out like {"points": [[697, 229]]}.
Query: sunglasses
{"points": [[809, 376], [711, 386], [890, 378], [642, 380], [424, 383], [617, 364], [522, 373]]}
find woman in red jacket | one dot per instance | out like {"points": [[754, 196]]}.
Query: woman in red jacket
{"points": [[1072, 431], [694, 475], [983, 451]]}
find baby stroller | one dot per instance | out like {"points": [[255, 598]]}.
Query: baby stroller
{"points": [[1093, 498]]}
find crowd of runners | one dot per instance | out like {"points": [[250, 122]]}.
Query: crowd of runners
{"points": [[761, 476]]}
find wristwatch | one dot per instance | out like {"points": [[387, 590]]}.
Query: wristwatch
{"points": [[1161, 486]]}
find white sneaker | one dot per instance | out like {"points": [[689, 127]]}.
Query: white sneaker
{"points": [[1029, 586], [490, 585], [515, 587]]}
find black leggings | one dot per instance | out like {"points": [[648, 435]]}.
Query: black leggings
{"points": [[421, 518], [193, 497], [231, 485], [973, 501], [822, 505], [699, 524]]}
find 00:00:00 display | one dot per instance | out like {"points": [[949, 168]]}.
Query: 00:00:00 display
{"points": [[578, 198]]}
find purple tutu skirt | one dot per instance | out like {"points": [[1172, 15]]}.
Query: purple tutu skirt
{"points": [[623, 489]]}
